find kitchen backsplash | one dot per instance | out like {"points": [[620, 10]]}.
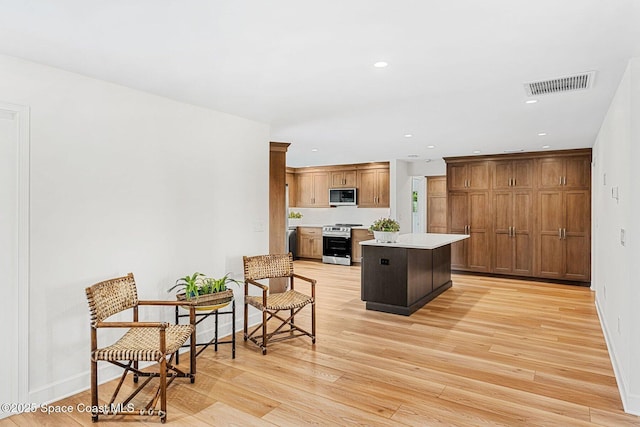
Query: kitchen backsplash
{"points": [[340, 215]]}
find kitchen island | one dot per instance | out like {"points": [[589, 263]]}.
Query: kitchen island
{"points": [[403, 276]]}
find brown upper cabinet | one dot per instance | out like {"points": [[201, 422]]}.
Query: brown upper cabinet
{"points": [[508, 174], [373, 188], [311, 185], [343, 179], [468, 175], [312, 190], [572, 172]]}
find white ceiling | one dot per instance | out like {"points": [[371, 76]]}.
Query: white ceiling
{"points": [[455, 76]]}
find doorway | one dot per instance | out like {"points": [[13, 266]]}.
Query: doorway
{"points": [[14, 252], [418, 204]]}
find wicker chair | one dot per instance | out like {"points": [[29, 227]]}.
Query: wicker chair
{"points": [[143, 342], [271, 304]]}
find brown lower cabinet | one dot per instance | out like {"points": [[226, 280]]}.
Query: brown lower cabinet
{"points": [[565, 229], [469, 214], [513, 232], [309, 242], [358, 235]]}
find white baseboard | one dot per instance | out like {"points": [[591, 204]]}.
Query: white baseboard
{"points": [[78, 383], [630, 401]]}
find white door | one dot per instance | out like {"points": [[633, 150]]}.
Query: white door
{"points": [[12, 225]]}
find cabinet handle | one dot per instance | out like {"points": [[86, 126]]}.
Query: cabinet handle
{"points": [[564, 180], [510, 182], [514, 182], [564, 233], [560, 233]]}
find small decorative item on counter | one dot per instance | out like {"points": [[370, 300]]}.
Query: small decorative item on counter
{"points": [[205, 291], [295, 215], [385, 230]]}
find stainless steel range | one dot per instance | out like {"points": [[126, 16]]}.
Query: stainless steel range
{"points": [[336, 243]]}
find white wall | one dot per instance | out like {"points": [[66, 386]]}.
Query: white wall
{"points": [[437, 167], [126, 181], [616, 270]]}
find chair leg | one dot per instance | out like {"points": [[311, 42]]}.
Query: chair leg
{"points": [[313, 322], [246, 320], [94, 390], [163, 390], [264, 332]]}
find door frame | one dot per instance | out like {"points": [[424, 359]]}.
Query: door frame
{"points": [[22, 119]]}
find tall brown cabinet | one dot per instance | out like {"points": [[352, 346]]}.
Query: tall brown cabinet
{"points": [[528, 214]]}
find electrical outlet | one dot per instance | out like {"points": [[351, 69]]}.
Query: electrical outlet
{"points": [[604, 178], [618, 324], [622, 237], [384, 261]]}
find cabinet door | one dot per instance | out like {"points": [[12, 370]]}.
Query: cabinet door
{"points": [[522, 233], [304, 191], [577, 172], [478, 255], [382, 186], [350, 179], [358, 236], [321, 189], [457, 176], [367, 188], [551, 172], [502, 175], [551, 248], [458, 221], [577, 235], [502, 222], [522, 174], [478, 176]]}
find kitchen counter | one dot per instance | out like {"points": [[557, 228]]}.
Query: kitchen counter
{"points": [[401, 277], [420, 240]]}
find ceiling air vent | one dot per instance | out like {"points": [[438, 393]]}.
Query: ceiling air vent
{"points": [[562, 84]]}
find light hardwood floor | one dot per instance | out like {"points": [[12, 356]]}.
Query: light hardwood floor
{"points": [[486, 352]]}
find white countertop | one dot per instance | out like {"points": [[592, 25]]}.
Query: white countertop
{"points": [[420, 240]]}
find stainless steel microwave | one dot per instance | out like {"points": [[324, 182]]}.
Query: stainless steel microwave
{"points": [[342, 196]]}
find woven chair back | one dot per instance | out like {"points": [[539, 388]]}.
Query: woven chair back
{"points": [[268, 266], [111, 296]]}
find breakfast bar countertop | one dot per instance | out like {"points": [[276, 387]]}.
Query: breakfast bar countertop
{"points": [[420, 240]]}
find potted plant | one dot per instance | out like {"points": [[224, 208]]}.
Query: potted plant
{"points": [[205, 291], [385, 230], [294, 217]]}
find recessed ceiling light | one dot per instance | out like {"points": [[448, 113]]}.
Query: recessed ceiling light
{"points": [[431, 146], [413, 155], [380, 64], [314, 150], [476, 151], [408, 135], [546, 146], [530, 101], [427, 160], [514, 151], [542, 134]]}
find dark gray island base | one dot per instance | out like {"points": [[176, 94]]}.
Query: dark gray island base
{"points": [[400, 279]]}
